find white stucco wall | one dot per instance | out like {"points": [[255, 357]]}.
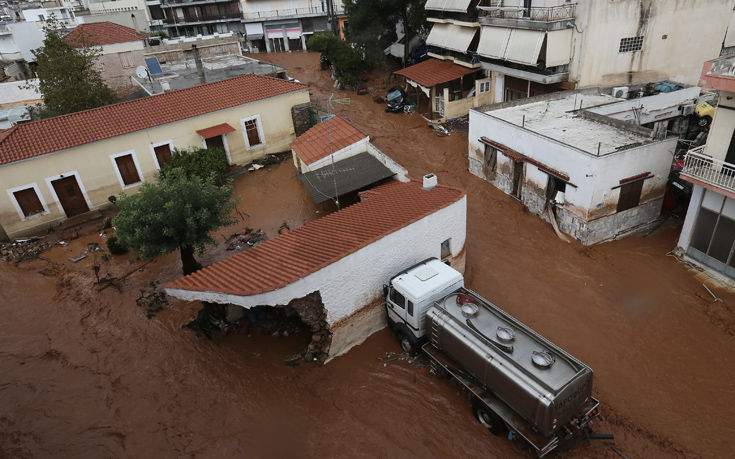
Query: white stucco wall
{"points": [[25, 37], [678, 36], [721, 129], [357, 279]]}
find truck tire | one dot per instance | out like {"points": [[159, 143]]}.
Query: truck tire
{"points": [[488, 418], [704, 121], [406, 344]]}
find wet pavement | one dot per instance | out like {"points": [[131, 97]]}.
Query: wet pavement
{"points": [[86, 374]]}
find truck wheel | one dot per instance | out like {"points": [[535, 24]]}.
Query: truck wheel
{"points": [[488, 418], [704, 121], [407, 344]]}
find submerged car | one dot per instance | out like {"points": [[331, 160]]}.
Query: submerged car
{"points": [[395, 100]]}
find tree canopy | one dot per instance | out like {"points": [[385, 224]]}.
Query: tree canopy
{"points": [[177, 212], [197, 161], [369, 19], [341, 55], [69, 80]]}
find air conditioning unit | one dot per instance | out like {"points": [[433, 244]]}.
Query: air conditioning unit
{"points": [[687, 110], [621, 92]]}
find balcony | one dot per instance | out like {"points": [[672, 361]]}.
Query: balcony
{"points": [[708, 170], [191, 20], [173, 3], [493, 13], [257, 16]]}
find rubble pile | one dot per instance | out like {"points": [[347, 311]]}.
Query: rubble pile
{"points": [[24, 249], [245, 240]]}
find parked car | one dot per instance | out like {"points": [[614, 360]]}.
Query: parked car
{"points": [[395, 100]]}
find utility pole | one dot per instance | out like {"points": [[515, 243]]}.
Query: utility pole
{"points": [[331, 17]]}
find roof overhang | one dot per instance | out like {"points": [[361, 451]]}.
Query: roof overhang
{"points": [[214, 131], [526, 75], [349, 174]]}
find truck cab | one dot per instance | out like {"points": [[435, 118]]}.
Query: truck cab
{"points": [[411, 293]]}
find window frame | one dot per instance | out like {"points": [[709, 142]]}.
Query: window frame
{"points": [[141, 179], [153, 146], [16, 204], [259, 125], [484, 84], [395, 291]]}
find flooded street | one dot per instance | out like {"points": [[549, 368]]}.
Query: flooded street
{"points": [[86, 374]]}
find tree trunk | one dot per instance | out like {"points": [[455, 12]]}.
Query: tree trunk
{"points": [[407, 36], [188, 263]]}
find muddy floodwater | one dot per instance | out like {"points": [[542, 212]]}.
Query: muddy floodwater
{"points": [[84, 372]]}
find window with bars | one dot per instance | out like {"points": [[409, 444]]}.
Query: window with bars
{"points": [[630, 44]]}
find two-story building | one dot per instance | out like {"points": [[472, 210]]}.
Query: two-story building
{"points": [[532, 47], [196, 17], [60, 167], [708, 233]]}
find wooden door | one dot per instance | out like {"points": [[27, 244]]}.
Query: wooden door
{"points": [[163, 154], [128, 171], [216, 142], [70, 196]]}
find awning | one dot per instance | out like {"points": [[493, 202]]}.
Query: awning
{"points": [[432, 72], [214, 131], [451, 36], [459, 6], [493, 42], [558, 47], [350, 174], [524, 46], [254, 30]]}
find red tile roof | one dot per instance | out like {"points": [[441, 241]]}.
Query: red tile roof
{"points": [[36, 138], [313, 144], [281, 261], [214, 131], [432, 72], [101, 33]]}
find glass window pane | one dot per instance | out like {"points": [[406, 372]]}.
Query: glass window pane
{"points": [[722, 242], [410, 308], [703, 229], [397, 298]]}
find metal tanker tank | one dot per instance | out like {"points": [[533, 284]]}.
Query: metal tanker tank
{"points": [[538, 380]]}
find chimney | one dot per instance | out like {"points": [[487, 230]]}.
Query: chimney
{"points": [[200, 67], [430, 181]]}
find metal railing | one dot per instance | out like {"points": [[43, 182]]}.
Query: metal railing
{"points": [[497, 9], [285, 13], [192, 19], [708, 169]]}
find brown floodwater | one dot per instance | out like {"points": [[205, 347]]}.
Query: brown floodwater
{"points": [[86, 374]]}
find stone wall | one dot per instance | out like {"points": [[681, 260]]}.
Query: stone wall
{"points": [[301, 116]]}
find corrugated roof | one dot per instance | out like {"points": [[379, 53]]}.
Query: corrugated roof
{"points": [[313, 144], [101, 33], [346, 175], [36, 138], [281, 261], [432, 72]]}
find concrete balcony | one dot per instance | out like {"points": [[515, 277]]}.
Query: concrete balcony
{"points": [[292, 13], [494, 13], [193, 20], [706, 170]]}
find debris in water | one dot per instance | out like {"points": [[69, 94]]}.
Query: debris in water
{"points": [[77, 258], [152, 299], [24, 249]]}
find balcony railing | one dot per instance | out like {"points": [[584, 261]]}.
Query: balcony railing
{"points": [[286, 13], [709, 170], [203, 18], [495, 9]]}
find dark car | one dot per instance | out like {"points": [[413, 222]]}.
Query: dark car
{"points": [[395, 100]]}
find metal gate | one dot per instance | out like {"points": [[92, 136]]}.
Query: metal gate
{"points": [[439, 105]]}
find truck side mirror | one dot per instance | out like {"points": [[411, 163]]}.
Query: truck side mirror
{"points": [[385, 290]]}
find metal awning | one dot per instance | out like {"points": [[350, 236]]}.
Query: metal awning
{"points": [[493, 42], [350, 174], [451, 36], [214, 131], [459, 6], [524, 46], [558, 47]]}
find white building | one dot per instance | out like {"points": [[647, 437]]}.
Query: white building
{"points": [[19, 39], [596, 176], [62, 14], [331, 271], [533, 47], [708, 233]]}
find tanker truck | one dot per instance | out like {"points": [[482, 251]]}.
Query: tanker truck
{"points": [[520, 383]]}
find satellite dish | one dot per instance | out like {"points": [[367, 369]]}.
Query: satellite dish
{"points": [[141, 71]]}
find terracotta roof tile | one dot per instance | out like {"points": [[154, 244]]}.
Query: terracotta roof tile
{"points": [[101, 33], [36, 138], [432, 72], [281, 261], [313, 144]]}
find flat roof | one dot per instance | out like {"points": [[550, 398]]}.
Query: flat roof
{"points": [[555, 119]]}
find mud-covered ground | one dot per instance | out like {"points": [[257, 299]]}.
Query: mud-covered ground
{"points": [[86, 374]]}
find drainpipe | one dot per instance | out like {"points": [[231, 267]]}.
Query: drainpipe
{"points": [[200, 67], [581, 41]]}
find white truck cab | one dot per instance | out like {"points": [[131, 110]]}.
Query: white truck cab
{"points": [[411, 294]]}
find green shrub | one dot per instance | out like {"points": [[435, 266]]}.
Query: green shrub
{"points": [[197, 162], [346, 60], [115, 246]]}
